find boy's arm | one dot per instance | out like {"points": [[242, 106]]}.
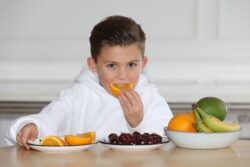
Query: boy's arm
{"points": [[156, 113], [132, 107], [155, 121], [54, 119], [15, 126]]}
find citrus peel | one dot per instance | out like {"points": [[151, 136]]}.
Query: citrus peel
{"points": [[88, 134], [77, 139], [184, 122], [80, 139], [52, 141], [115, 88]]}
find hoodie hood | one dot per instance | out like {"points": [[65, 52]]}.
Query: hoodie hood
{"points": [[90, 79]]}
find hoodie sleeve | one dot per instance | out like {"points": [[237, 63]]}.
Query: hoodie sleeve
{"points": [[54, 119], [157, 113]]}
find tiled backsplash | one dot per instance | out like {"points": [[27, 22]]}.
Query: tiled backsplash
{"points": [[11, 110]]}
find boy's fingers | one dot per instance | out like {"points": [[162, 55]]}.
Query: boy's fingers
{"points": [[126, 101], [27, 135], [136, 96], [129, 97], [28, 132], [135, 102], [133, 97], [125, 108], [18, 140], [32, 138], [24, 141]]}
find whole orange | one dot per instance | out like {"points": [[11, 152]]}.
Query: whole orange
{"points": [[183, 122]]}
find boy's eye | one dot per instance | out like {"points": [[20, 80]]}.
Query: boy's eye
{"points": [[111, 66], [132, 64]]}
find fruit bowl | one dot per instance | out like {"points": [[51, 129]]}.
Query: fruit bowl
{"points": [[195, 140]]}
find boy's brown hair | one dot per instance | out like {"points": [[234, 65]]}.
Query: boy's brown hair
{"points": [[116, 30]]}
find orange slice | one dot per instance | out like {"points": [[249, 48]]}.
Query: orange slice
{"points": [[74, 140], [89, 134], [52, 141], [79, 139], [115, 88]]}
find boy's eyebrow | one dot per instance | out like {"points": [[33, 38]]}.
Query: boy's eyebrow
{"points": [[111, 61], [134, 60]]}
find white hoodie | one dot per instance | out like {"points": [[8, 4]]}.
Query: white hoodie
{"points": [[87, 106]]}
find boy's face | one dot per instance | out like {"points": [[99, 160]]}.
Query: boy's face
{"points": [[118, 65]]}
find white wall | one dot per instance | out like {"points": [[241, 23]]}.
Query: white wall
{"points": [[196, 48]]}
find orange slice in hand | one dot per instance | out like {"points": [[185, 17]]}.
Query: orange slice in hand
{"points": [[115, 88], [52, 141], [80, 139]]}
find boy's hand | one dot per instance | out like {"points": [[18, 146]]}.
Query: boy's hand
{"points": [[132, 106], [28, 132]]}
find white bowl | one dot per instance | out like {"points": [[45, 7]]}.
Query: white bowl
{"points": [[203, 140]]}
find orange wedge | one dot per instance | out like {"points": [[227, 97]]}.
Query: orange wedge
{"points": [[115, 88], [74, 140], [52, 141], [88, 134], [79, 139]]}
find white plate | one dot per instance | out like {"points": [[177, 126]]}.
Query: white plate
{"points": [[203, 140], [57, 149], [141, 147]]}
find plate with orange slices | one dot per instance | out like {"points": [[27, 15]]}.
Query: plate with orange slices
{"points": [[67, 143]]}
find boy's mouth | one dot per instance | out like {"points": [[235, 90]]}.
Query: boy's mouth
{"points": [[120, 84], [115, 88]]}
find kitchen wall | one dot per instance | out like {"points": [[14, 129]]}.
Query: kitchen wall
{"points": [[196, 48]]}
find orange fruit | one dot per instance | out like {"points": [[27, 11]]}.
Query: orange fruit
{"points": [[115, 88], [183, 122], [74, 140], [89, 134], [52, 141], [80, 139], [192, 115]]}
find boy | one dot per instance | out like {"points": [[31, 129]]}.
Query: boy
{"points": [[117, 57]]}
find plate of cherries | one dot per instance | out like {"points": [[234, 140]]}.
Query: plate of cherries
{"points": [[134, 141]]}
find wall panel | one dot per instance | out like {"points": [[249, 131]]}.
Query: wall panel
{"points": [[195, 47]]}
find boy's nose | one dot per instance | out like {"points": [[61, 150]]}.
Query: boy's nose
{"points": [[122, 73]]}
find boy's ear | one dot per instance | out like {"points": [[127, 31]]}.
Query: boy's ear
{"points": [[144, 61], [91, 64]]}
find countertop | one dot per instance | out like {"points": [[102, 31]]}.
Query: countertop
{"points": [[238, 155]]}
